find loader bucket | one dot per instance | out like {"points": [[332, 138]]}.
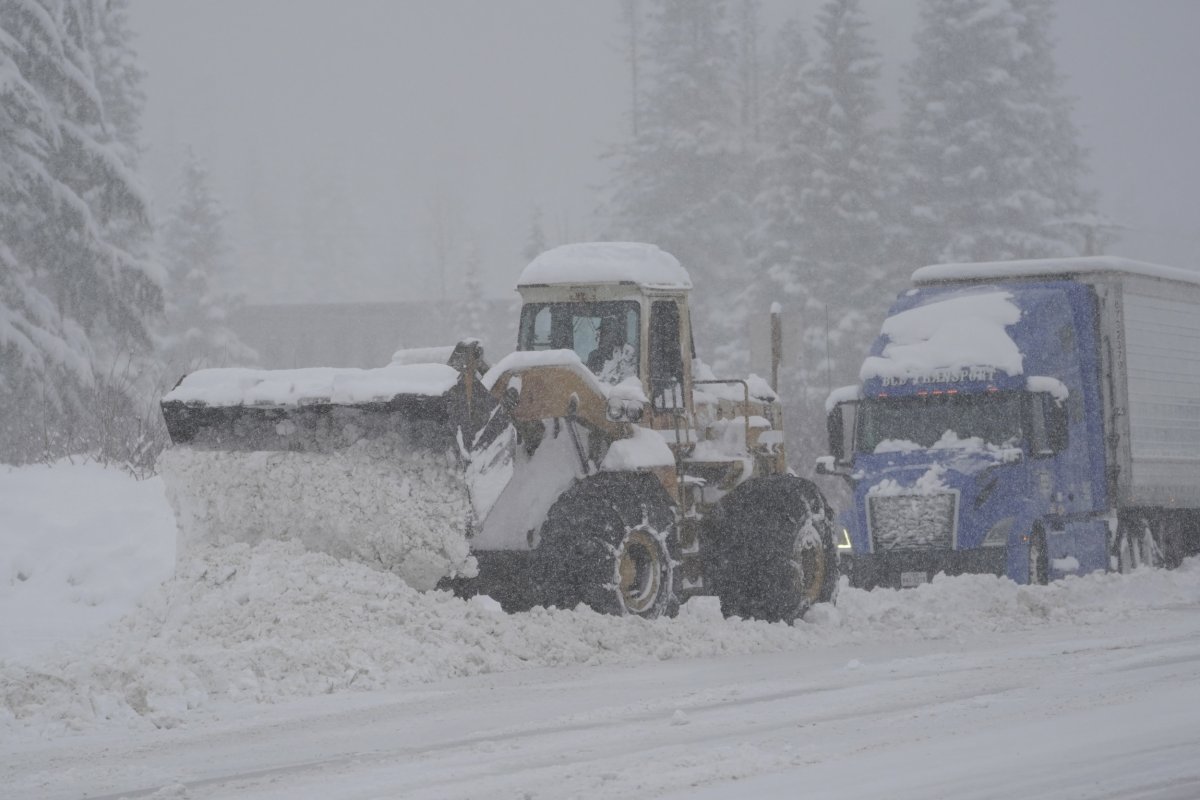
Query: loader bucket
{"points": [[361, 464]]}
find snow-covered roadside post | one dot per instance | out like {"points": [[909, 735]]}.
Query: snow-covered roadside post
{"points": [[776, 344]]}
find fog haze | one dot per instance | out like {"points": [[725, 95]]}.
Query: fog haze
{"points": [[396, 115]]}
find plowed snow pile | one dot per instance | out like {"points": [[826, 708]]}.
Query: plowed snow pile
{"points": [[375, 502], [79, 546], [272, 621], [252, 623]]}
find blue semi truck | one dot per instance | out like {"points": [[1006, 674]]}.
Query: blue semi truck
{"points": [[1033, 419]]}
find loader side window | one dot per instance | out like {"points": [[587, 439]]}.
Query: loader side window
{"points": [[535, 332], [666, 355]]}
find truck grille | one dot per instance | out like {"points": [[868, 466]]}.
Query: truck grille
{"points": [[912, 521]]}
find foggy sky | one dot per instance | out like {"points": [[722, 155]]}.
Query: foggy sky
{"points": [[493, 107]]}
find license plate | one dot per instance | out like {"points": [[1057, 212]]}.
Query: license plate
{"points": [[911, 579]]}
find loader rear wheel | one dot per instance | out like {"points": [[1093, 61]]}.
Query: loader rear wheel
{"points": [[772, 551], [611, 543]]}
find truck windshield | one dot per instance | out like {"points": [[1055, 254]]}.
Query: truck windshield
{"points": [[606, 336], [935, 421]]}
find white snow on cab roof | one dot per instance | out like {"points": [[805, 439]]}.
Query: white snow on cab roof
{"points": [[606, 262], [1044, 267], [947, 339]]}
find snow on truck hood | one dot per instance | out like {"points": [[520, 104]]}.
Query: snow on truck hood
{"points": [[606, 262], [951, 338], [289, 387]]}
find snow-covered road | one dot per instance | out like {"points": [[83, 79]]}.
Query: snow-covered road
{"points": [[265, 673], [1109, 710]]}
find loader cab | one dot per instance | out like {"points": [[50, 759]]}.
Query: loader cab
{"points": [[618, 332], [622, 308]]}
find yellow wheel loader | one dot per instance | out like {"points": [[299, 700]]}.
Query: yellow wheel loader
{"points": [[601, 463]]}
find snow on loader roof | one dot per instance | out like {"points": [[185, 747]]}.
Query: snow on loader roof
{"points": [[644, 265]]}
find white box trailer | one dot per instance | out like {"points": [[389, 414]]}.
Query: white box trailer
{"points": [[1150, 332]]}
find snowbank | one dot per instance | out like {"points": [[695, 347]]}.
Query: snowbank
{"points": [[79, 544], [242, 623], [271, 622], [274, 621]]}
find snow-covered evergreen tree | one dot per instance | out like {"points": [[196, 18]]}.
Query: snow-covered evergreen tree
{"points": [[682, 181], [119, 74], [822, 227], [749, 90], [992, 164], [785, 166], [631, 21], [536, 243], [844, 207], [330, 236], [77, 294], [196, 257], [471, 308], [1068, 207]]}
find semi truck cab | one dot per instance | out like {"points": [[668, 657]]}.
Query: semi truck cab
{"points": [[1034, 419], [974, 443]]}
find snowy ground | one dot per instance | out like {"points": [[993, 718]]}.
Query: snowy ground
{"points": [[270, 673], [79, 545]]}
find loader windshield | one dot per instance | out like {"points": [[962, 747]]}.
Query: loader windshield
{"points": [[606, 336]]}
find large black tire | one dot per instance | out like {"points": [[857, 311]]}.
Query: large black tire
{"points": [[1139, 542], [770, 550], [611, 542]]}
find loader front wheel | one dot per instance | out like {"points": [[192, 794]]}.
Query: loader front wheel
{"points": [[610, 542], [772, 554]]}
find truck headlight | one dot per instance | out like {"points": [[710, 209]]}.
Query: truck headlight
{"points": [[843, 540]]}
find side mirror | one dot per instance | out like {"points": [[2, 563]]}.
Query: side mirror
{"points": [[836, 427], [840, 425], [1048, 434]]}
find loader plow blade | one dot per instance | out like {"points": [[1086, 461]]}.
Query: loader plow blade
{"points": [[361, 464]]}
